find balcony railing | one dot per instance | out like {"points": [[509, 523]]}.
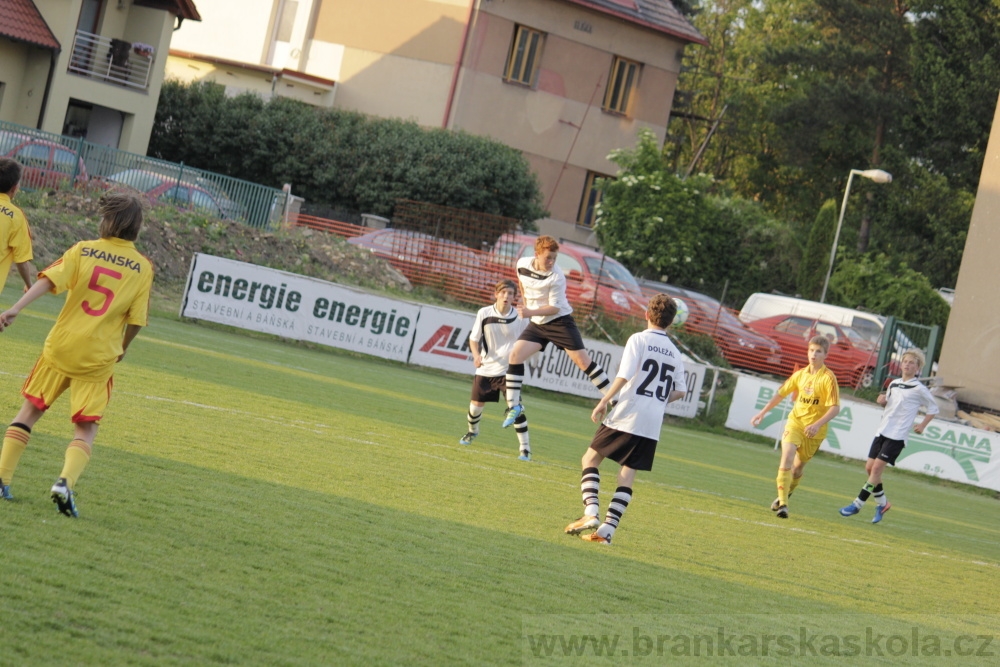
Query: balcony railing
{"points": [[110, 60]]}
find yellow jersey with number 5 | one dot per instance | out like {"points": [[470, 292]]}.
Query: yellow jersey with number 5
{"points": [[107, 284]]}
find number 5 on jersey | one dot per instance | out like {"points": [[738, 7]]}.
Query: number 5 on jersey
{"points": [[109, 295]]}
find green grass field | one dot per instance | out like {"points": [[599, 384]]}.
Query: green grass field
{"points": [[256, 502]]}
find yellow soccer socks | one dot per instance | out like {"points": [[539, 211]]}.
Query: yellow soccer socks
{"points": [[784, 485], [15, 440], [77, 458]]}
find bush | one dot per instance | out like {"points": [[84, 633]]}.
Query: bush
{"points": [[341, 159]]}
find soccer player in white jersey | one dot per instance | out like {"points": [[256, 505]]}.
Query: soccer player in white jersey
{"points": [[651, 375], [493, 336], [543, 286], [902, 400], [107, 284]]}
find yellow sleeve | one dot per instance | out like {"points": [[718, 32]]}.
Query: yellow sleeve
{"points": [[138, 312], [832, 391], [62, 272], [790, 386], [20, 239]]}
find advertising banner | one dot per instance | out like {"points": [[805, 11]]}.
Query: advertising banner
{"points": [[442, 341], [292, 306], [945, 449]]}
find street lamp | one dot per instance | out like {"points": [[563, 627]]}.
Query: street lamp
{"points": [[876, 175]]}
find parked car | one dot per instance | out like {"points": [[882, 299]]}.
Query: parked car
{"points": [[852, 357], [426, 260], [185, 194], [46, 164], [594, 281], [739, 344]]}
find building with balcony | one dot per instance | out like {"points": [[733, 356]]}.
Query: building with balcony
{"points": [[87, 68], [563, 81]]}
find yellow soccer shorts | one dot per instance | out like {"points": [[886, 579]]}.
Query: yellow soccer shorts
{"points": [[87, 399], [806, 447]]}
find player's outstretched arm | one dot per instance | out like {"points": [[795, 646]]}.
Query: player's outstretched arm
{"points": [[42, 286], [773, 403], [27, 271], [131, 331], [598, 414]]}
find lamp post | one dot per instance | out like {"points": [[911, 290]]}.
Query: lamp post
{"points": [[876, 175]]}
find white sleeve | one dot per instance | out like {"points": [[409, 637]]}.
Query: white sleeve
{"points": [[630, 359], [477, 328], [929, 402], [680, 383]]}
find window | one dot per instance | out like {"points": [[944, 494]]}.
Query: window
{"points": [[591, 198], [202, 201], [64, 161], [620, 81], [525, 53]]}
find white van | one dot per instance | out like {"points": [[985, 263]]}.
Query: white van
{"points": [[761, 305]]}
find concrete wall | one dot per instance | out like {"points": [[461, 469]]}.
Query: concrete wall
{"points": [[231, 29], [23, 71], [138, 24], [558, 122], [970, 354]]}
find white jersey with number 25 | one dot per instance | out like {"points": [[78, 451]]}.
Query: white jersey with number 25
{"points": [[653, 367]]}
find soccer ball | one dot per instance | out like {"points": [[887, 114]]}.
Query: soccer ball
{"points": [[682, 312]]}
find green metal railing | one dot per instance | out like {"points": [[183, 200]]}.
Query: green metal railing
{"points": [[897, 337], [51, 159]]}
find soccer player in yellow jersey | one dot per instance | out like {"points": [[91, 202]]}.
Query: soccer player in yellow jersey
{"points": [[816, 399], [107, 283], [15, 237]]}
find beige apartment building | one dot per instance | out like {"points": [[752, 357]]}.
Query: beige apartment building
{"points": [[970, 352], [89, 68], [563, 81]]}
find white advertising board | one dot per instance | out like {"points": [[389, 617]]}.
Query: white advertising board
{"points": [[292, 306], [442, 341], [945, 449]]}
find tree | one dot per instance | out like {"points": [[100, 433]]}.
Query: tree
{"points": [[878, 284], [339, 158], [652, 221], [670, 229], [816, 262], [956, 49]]}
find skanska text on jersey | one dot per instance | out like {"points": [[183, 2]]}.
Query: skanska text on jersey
{"points": [[116, 260]]}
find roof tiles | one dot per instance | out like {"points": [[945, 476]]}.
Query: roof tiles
{"points": [[22, 22], [660, 15]]}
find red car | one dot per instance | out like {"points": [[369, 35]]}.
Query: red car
{"points": [[740, 345], [46, 164], [185, 194], [426, 260], [852, 357], [594, 281]]}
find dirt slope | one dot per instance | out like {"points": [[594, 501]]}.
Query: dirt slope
{"points": [[170, 237]]}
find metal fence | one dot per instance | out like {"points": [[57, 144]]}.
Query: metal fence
{"points": [[113, 60], [51, 160], [899, 336]]}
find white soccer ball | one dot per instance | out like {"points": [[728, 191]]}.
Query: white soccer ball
{"points": [[682, 312]]}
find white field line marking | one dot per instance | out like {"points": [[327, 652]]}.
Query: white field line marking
{"points": [[293, 423], [828, 536]]}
